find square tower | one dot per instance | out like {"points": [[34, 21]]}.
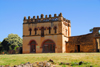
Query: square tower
{"points": [[45, 35]]}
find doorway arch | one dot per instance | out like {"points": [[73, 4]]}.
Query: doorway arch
{"points": [[48, 46], [32, 44]]}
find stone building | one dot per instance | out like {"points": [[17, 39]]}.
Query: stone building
{"points": [[85, 43], [45, 35], [53, 35]]}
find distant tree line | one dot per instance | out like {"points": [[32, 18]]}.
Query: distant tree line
{"points": [[11, 43]]}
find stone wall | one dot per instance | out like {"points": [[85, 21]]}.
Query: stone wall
{"points": [[84, 43]]}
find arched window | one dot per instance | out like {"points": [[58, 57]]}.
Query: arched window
{"points": [[35, 29], [55, 29], [49, 30], [30, 31], [32, 44], [48, 46], [42, 32]]}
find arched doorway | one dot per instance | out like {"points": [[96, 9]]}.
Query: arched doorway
{"points": [[32, 46], [48, 46]]}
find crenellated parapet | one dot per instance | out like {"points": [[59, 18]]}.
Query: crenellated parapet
{"points": [[44, 19], [66, 22]]}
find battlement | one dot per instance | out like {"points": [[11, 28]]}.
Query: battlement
{"points": [[45, 19]]}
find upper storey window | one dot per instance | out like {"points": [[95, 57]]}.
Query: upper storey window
{"points": [[55, 29], [49, 30], [35, 29], [42, 32], [30, 31]]}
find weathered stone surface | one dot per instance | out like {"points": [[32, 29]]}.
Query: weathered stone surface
{"points": [[54, 33], [84, 43], [1, 66], [48, 64], [19, 66], [6, 66], [34, 64]]}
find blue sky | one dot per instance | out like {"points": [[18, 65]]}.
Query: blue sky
{"points": [[83, 14]]}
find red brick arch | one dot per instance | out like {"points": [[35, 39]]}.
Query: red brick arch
{"points": [[47, 40], [31, 41]]}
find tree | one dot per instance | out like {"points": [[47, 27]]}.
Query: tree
{"points": [[0, 47], [0, 43], [11, 41], [91, 30]]}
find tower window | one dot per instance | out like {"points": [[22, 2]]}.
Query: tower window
{"points": [[49, 30], [35, 31], [55, 29], [30, 31], [42, 32]]}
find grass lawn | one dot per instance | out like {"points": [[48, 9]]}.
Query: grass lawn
{"points": [[16, 59]]}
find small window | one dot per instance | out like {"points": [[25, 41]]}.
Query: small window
{"points": [[49, 30], [35, 31], [99, 31], [42, 32], [30, 31], [55, 29]]}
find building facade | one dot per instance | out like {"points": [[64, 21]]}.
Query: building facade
{"points": [[45, 34], [53, 35]]}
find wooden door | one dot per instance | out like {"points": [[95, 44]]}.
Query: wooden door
{"points": [[33, 49]]}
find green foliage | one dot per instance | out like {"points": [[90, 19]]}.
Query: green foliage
{"points": [[89, 59], [91, 30], [0, 44], [15, 48], [5, 45], [64, 66], [14, 39], [1, 47], [10, 42]]}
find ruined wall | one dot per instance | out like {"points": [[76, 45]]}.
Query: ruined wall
{"points": [[85, 42]]}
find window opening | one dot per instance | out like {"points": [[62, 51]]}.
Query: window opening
{"points": [[35, 31], [30, 31], [55, 29], [42, 32], [49, 30]]}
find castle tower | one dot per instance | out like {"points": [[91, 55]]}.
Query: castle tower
{"points": [[45, 34]]}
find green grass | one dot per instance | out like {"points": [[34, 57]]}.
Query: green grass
{"points": [[16, 59]]}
